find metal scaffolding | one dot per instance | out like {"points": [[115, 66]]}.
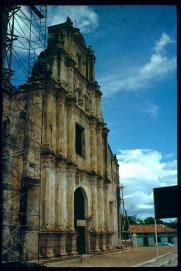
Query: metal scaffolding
{"points": [[19, 132], [25, 39], [125, 233]]}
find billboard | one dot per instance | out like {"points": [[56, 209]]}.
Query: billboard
{"points": [[166, 201]]}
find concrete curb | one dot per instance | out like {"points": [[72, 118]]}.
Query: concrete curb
{"points": [[154, 260]]}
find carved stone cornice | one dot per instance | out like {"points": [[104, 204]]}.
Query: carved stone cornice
{"points": [[99, 126], [61, 166], [100, 183], [105, 130], [48, 161], [70, 100], [92, 180], [107, 180], [71, 166], [93, 85], [92, 173]]}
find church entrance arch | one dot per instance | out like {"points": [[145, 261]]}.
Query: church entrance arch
{"points": [[80, 213]]}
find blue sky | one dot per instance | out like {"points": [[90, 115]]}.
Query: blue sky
{"points": [[135, 49]]}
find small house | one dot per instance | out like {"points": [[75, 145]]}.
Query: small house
{"points": [[144, 235]]}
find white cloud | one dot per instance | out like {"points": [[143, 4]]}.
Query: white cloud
{"points": [[159, 63], [162, 42], [158, 66], [141, 170], [149, 108], [83, 17], [22, 30]]}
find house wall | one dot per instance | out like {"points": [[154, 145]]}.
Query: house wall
{"points": [[151, 238]]}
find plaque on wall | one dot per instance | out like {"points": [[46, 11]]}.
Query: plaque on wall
{"points": [[81, 222]]}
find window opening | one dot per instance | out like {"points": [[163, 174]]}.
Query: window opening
{"points": [[80, 140]]}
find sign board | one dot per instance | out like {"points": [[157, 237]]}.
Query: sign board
{"points": [[81, 222], [166, 201]]}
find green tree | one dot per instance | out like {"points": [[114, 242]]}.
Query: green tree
{"points": [[134, 220], [149, 220]]}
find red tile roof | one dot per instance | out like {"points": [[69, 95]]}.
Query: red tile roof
{"points": [[142, 228]]}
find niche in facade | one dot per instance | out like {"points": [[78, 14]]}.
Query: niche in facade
{"points": [[79, 139], [79, 62], [87, 105], [80, 98]]}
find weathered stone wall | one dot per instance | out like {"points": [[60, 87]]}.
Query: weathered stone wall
{"points": [[50, 169]]}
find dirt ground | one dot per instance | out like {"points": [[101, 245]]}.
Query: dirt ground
{"points": [[124, 258]]}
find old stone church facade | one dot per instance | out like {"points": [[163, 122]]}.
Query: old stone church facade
{"points": [[60, 179]]}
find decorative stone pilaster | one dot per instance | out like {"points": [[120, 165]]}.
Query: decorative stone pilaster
{"points": [[70, 69], [48, 132], [61, 137], [93, 144], [71, 171], [70, 130], [62, 248], [61, 181], [102, 241], [94, 241], [97, 98], [71, 243], [100, 200], [47, 244], [48, 203], [93, 182], [109, 240], [99, 148], [106, 206]]}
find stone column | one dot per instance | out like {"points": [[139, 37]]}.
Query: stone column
{"points": [[102, 239], [48, 185], [70, 131], [54, 123], [105, 135], [70, 196], [110, 241], [61, 140], [70, 81], [48, 119], [71, 234], [98, 140], [101, 215], [93, 144], [61, 196], [98, 110], [93, 103], [94, 241], [100, 199], [62, 246], [106, 206], [70, 75], [101, 152], [94, 203], [72, 243], [106, 216]]}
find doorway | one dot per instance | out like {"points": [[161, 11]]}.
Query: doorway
{"points": [[145, 241], [79, 219]]}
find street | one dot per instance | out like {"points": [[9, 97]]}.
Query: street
{"points": [[169, 260], [121, 258]]}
